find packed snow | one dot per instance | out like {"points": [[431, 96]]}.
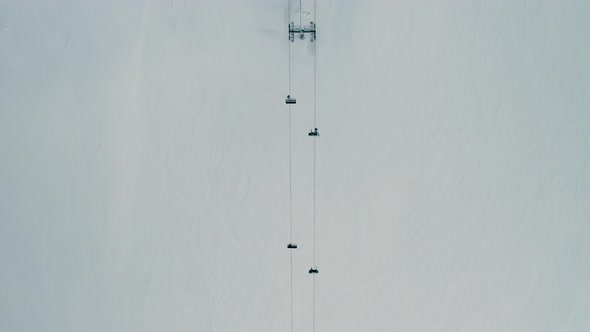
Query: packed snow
{"points": [[144, 174]]}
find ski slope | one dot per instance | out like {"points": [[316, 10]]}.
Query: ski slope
{"points": [[144, 166]]}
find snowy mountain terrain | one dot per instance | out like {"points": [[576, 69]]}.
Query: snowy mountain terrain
{"points": [[144, 166]]}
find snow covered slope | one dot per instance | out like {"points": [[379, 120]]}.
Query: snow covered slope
{"points": [[144, 166]]}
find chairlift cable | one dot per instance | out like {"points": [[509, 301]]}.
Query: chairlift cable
{"points": [[290, 182], [300, 14], [314, 160]]}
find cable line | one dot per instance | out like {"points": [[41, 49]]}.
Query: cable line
{"points": [[314, 159], [290, 245]]}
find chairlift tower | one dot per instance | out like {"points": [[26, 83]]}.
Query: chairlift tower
{"points": [[301, 31]]}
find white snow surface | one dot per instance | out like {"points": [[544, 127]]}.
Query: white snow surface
{"points": [[144, 166]]}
